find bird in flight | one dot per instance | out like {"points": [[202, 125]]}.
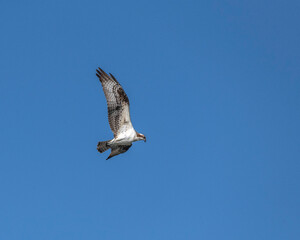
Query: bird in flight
{"points": [[118, 117]]}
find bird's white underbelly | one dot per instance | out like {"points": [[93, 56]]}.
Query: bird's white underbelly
{"points": [[126, 137]]}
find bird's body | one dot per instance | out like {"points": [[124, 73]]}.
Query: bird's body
{"points": [[118, 117], [127, 136]]}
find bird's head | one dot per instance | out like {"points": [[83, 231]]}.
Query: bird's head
{"points": [[141, 137]]}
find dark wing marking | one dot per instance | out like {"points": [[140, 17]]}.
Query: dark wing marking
{"points": [[117, 101], [118, 150]]}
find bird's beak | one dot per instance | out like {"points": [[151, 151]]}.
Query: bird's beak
{"points": [[144, 139]]}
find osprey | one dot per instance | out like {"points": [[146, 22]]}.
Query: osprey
{"points": [[118, 117]]}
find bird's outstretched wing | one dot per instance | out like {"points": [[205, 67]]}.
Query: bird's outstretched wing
{"points": [[118, 150], [117, 102]]}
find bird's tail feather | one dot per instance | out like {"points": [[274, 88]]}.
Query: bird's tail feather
{"points": [[103, 146]]}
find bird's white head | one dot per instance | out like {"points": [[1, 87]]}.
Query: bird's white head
{"points": [[141, 137]]}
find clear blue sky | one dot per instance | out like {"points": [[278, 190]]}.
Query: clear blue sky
{"points": [[215, 87]]}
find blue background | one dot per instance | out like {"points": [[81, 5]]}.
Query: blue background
{"points": [[214, 85]]}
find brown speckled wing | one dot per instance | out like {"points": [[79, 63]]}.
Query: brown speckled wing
{"points": [[117, 101], [118, 150]]}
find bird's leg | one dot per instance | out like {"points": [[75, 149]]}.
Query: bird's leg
{"points": [[119, 140], [111, 142], [115, 141]]}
